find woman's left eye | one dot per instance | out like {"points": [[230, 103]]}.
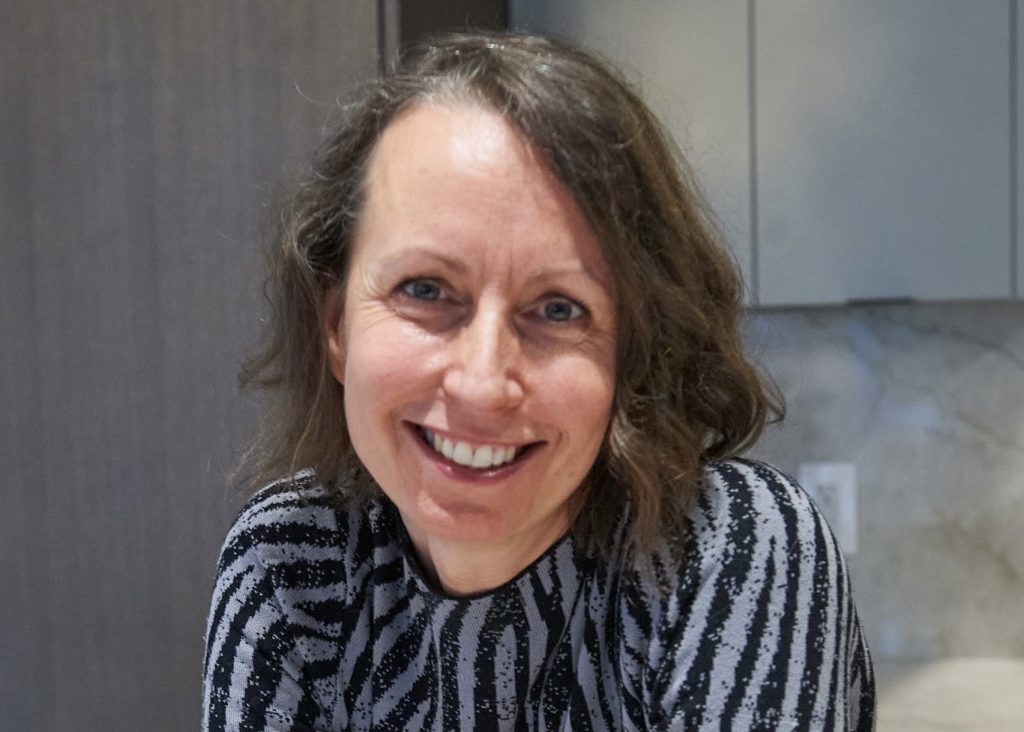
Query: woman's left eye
{"points": [[560, 309], [422, 289]]}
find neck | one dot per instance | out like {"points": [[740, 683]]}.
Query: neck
{"points": [[462, 568]]}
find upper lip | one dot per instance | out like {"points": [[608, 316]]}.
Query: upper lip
{"points": [[475, 439]]}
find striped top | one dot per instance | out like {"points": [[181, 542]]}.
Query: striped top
{"points": [[322, 620]]}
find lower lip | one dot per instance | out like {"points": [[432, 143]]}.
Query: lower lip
{"points": [[462, 473]]}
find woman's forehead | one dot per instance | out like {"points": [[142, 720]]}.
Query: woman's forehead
{"points": [[443, 175], [467, 137]]}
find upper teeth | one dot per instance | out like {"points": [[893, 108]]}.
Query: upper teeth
{"points": [[472, 456]]}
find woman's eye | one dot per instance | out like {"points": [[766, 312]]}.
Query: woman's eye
{"points": [[561, 310], [422, 289]]}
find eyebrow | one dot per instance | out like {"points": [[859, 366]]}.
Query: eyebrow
{"points": [[554, 272], [450, 262]]}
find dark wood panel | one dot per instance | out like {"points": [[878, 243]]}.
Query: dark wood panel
{"points": [[98, 360], [418, 18], [144, 146], [25, 653]]}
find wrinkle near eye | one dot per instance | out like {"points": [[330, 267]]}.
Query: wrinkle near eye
{"points": [[373, 314], [372, 284]]}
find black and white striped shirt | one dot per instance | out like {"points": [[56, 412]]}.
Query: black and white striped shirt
{"points": [[321, 620]]}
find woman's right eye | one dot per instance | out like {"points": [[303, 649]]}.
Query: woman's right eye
{"points": [[422, 289], [428, 301]]}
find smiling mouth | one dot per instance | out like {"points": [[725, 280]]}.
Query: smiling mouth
{"points": [[480, 456]]}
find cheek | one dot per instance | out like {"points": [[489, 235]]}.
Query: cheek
{"points": [[384, 368], [375, 383], [581, 390]]}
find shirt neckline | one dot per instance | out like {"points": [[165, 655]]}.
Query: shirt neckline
{"points": [[560, 570]]}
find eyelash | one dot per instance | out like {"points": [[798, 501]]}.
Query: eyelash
{"points": [[408, 288], [577, 310], [408, 285]]}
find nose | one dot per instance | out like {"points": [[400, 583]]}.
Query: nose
{"points": [[482, 368]]}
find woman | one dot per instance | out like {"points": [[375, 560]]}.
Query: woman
{"points": [[505, 345]]}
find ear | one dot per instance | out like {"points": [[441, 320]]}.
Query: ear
{"points": [[333, 324]]}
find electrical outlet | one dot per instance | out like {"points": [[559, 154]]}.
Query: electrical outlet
{"points": [[833, 487]]}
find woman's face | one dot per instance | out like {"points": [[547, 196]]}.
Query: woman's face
{"points": [[476, 339]]}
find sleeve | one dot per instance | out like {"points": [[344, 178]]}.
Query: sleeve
{"points": [[254, 663], [762, 633]]}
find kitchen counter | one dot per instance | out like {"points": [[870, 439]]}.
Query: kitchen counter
{"points": [[954, 695]]}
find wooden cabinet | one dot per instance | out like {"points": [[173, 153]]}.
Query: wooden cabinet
{"points": [[141, 146], [855, 151]]}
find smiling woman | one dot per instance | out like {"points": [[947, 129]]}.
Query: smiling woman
{"points": [[512, 398], [478, 313]]}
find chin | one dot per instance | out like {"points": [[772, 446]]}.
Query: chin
{"points": [[469, 524]]}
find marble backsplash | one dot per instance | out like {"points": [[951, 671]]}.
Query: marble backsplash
{"points": [[928, 402]]}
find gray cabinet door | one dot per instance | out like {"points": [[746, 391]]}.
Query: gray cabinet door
{"points": [[1018, 289], [883, 135], [690, 60]]}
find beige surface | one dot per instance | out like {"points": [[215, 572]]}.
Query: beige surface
{"points": [[960, 694]]}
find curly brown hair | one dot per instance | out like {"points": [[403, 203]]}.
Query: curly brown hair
{"points": [[685, 394]]}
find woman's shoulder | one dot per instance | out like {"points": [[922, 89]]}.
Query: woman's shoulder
{"points": [[741, 478], [297, 527], [757, 615], [750, 531], [285, 583], [747, 498], [292, 498], [288, 511]]}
